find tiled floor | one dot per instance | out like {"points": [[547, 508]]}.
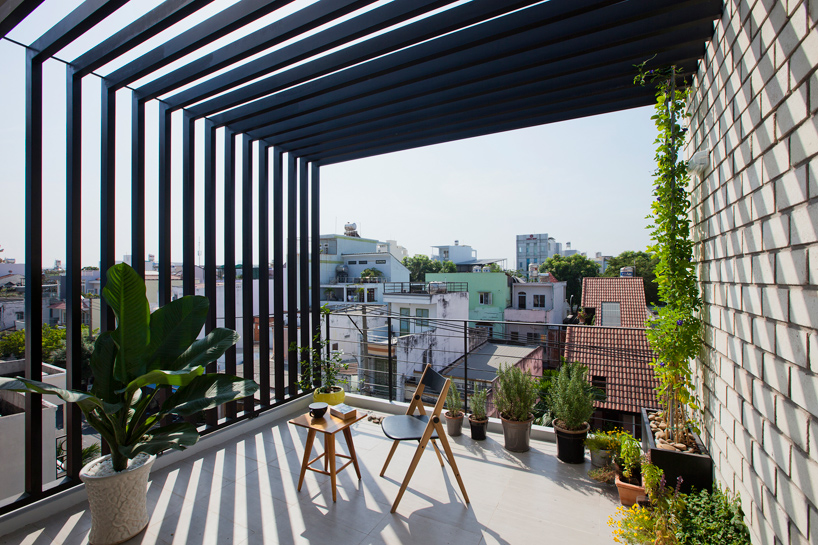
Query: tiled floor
{"points": [[244, 491]]}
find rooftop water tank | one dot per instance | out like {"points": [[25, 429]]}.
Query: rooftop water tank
{"points": [[437, 287], [486, 268], [476, 268]]}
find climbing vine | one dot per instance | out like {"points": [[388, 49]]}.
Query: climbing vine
{"points": [[676, 335]]}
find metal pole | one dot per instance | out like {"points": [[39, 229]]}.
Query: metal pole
{"points": [[316, 378], [466, 366], [389, 356]]}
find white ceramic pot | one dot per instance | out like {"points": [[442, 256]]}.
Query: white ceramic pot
{"points": [[117, 499]]}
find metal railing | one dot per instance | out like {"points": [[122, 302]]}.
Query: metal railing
{"points": [[386, 353], [424, 288]]}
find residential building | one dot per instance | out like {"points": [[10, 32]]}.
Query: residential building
{"points": [[463, 256], [535, 316], [617, 354], [534, 249], [489, 295], [602, 261]]}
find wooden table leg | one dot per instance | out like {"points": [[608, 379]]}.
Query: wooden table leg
{"points": [[329, 448], [348, 437], [307, 452]]}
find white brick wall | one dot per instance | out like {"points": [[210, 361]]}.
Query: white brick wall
{"points": [[756, 216]]}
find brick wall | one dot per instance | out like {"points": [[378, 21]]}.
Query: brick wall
{"points": [[756, 216]]}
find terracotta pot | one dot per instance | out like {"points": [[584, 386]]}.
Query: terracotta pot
{"points": [[628, 493], [517, 435], [334, 398], [117, 500], [478, 428], [571, 444], [454, 424]]}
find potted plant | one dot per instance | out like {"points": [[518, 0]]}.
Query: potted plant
{"points": [[478, 420], [454, 414], [628, 463], [325, 370], [573, 404], [146, 354], [514, 397], [601, 445], [675, 336]]}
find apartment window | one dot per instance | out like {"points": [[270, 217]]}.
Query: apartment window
{"points": [[521, 300], [362, 262], [485, 297], [611, 315], [335, 346], [20, 315], [380, 262], [370, 295], [539, 301], [531, 338], [422, 313], [352, 263], [514, 336], [404, 322]]}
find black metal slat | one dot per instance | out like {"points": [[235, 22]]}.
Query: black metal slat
{"points": [[278, 274], [211, 29], [248, 366], [230, 256], [149, 25], [300, 22], [73, 268], [292, 273], [107, 183], [165, 141], [12, 12], [138, 185], [211, 416], [310, 46], [315, 257], [188, 205], [303, 260], [74, 25], [34, 270], [264, 272]]}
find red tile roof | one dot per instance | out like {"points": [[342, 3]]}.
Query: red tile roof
{"points": [[628, 292], [622, 356]]}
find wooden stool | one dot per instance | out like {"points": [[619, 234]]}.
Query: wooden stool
{"points": [[329, 426]]}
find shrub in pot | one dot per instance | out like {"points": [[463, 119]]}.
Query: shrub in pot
{"points": [[454, 412], [601, 445], [478, 420], [628, 463], [573, 404], [146, 354], [325, 373], [514, 396]]}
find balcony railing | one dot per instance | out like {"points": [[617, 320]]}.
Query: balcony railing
{"points": [[424, 288]]}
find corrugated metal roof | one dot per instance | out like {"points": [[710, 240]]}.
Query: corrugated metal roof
{"points": [[484, 362]]}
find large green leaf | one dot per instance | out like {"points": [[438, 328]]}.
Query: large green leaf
{"points": [[165, 378], [207, 392], [102, 367], [176, 436], [86, 402], [206, 350], [174, 327], [125, 294]]}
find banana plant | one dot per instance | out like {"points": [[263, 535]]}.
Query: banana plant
{"points": [[146, 354]]}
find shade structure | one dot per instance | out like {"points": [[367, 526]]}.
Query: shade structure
{"points": [[311, 84]]}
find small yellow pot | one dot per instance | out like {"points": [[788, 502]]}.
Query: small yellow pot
{"points": [[334, 398]]}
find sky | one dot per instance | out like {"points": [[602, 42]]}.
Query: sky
{"points": [[586, 181]]}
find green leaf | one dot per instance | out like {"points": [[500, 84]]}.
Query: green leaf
{"points": [[86, 402], [125, 294], [165, 378], [102, 367], [173, 328], [206, 350], [176, 436], [206, 392]]}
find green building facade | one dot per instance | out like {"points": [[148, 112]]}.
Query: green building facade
{"points": [[489, 296]]}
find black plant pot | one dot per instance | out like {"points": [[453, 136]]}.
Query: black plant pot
{"points": [[478, 429], [571, 444], [696, 470]]}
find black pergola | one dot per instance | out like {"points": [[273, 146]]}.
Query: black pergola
{"points": [[387, 77]]}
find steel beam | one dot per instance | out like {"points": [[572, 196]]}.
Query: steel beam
{"points": [[74, 25], [211, 416], [278, 274], [292, 273], [315, 258], [138, 185], [12, 12], [165, 143], [248, 346], [107, 188], [230, 256], [188, 205], [304, 260], [264, 272]]}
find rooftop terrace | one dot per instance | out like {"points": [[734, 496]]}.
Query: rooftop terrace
{"points": [[239, 486]]}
